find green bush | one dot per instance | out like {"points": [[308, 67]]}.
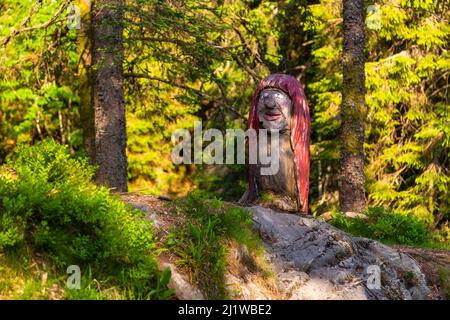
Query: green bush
{"points": [[385, 226], [51, 206]]}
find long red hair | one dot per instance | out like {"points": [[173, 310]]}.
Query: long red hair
{"points": [[300, 131]]}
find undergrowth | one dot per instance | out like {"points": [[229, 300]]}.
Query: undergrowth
{"points": [[201, 243], [51, 212], [391, 228]]}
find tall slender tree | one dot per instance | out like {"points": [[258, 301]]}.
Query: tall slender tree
{"points": [[351, 179], [107, 94], [84, 76]]}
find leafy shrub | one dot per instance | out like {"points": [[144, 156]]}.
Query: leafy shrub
{"points": [[385, 226], [442, 235], [200, 244], [51, 206]]}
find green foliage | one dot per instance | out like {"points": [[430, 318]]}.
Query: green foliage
{"points": [[200, 60], [385, 226], [38, 81], [201, 243], [52, 207], [407, 123], [203, 64], [224, 180]]}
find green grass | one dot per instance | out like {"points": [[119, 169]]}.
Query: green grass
{"points": [[201, 243], [444, 278], [390, 228]]}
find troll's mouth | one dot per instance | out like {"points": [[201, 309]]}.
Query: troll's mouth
{"points": [[271, 116]]}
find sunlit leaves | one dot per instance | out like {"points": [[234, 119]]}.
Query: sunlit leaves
{"points": [[408, 120]]}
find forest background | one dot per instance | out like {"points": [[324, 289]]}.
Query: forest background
{"points": [[201, 60]]}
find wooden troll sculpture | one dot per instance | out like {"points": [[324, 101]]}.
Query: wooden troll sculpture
{"points": [[279, 103]]}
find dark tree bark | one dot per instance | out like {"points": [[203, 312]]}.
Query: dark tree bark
{"points": [[351, 180], [108, 96]]}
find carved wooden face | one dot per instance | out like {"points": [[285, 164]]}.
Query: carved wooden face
{"points": [[274, 109]]}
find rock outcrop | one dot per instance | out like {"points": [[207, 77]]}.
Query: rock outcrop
{"points": [[309, 259], [314, 260]]}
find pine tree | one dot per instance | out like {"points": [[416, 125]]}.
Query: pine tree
{"points": [[351, 180], [108, 94]]}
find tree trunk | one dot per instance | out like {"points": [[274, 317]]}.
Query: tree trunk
{"points": [[107, 95], [85, 78], [351, 180]]}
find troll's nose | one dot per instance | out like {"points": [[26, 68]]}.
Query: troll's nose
{"points": [[269, 101]]}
